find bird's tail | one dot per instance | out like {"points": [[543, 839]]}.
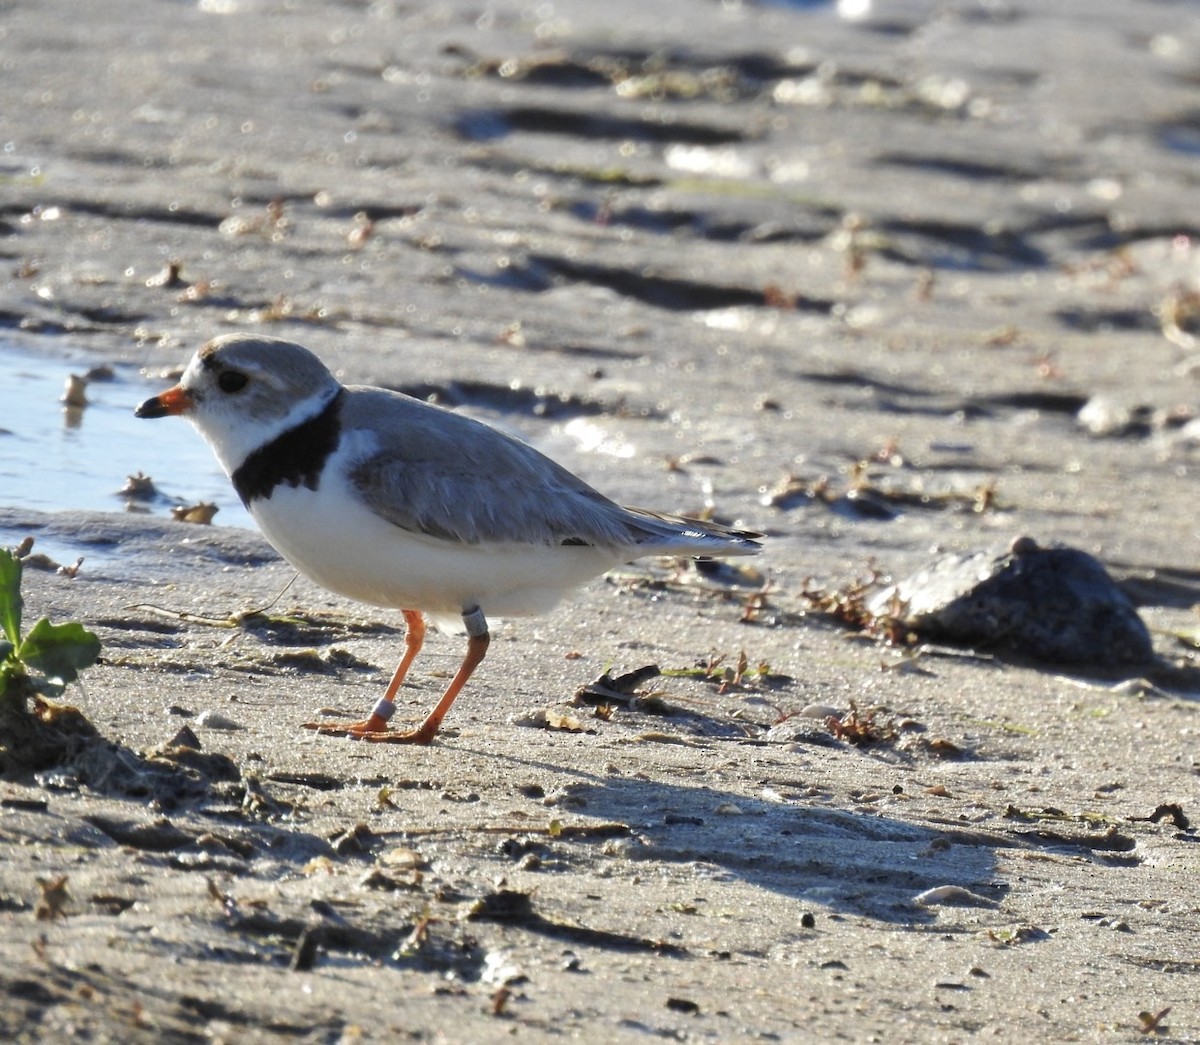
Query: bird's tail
{"points": [[666, 534]]}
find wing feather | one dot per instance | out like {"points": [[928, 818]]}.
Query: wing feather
{"points": [[456, 479]]}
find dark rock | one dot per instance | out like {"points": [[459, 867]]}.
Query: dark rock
{"points": [[1053, 604]]}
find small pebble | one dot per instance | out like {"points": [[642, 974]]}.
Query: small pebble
{"points": [[201, 514], [139, 486], [952, 896], [185, 738], [215, 720], [75, 392], [821, 711], [532, 718], [1103, 417]]}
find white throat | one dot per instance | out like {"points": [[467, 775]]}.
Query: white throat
{"points": [[234, 437]]}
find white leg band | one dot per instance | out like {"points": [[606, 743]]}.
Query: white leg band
{"points": [[475, 621], [385, 709]]}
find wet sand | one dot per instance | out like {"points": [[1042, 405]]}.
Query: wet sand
{"points": [[695, 252]]}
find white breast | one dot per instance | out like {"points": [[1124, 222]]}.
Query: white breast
{"points": [[332, 537]]}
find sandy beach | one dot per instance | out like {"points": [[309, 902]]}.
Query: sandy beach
{"points": [[883, 289]]}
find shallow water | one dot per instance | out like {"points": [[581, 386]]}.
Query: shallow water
{"points": [[52, 458]]}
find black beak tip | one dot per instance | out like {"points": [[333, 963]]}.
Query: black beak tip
{"points": [[150, 408]]}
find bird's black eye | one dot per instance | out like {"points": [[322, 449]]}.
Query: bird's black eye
{"points": [[232, 381]]}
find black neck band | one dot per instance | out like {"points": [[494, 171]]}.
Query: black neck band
{"points": [[294, 457]]}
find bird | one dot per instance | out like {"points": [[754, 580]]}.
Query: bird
{"points": [[399, 503]]}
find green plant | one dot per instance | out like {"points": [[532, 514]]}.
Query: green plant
{"points": [[47, 659]]}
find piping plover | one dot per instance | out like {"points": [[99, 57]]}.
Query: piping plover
{"points": [[395, 502]]}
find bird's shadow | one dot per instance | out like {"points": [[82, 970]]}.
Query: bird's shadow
{"points": [[862, 863]]}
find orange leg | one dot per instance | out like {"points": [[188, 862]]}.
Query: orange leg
{"points": [[374, 727]]}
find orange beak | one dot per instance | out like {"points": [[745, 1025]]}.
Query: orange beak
{"points": [[172, 402]]}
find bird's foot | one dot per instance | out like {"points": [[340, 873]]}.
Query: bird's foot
{"points": [[374, 730]]}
